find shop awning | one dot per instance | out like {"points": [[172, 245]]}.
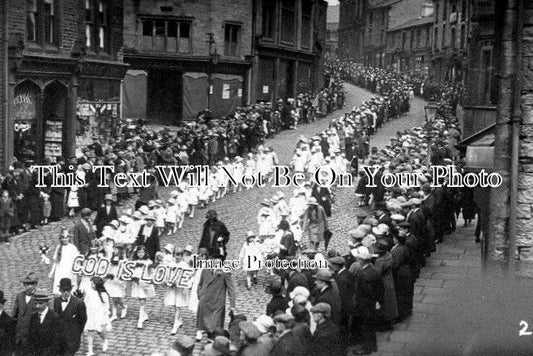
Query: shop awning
{"points": [[479, 149]]}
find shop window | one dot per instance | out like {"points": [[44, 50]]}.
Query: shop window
{"points": [[486, 75], [412, 39], [436, 39], [418, 37], [231, 40], [269, 19], [307, 11], [463, 36], [427, 38], [166, 35], [443, 38], [444, 11], [404, 39], [288, 21], [452, 38], [42, 22], [97, 25]]}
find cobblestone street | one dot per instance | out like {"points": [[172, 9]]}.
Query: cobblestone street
{"points": [[238, 211]]}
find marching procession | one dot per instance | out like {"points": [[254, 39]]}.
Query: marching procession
{"points": [[367, 287]]}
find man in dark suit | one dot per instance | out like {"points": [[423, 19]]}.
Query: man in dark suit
{"points": [[215, 235], [416, 218], [73, 314], [368, 292], [83, 231], [149, 237], [326, 338], [46, 329], [325, 293], [278, 301], [344, 280], [105, 214], [24, 307], [7, 329]]}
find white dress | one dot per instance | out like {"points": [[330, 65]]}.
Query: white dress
{"points": [[97, 311], [192, 196], [193, 296], [63, 268], [115, 287], [160, 217], [142, 289], [250, 255], [178, 296]]}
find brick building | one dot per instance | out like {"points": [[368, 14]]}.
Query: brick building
{"points": [[185, 57], [409, 44], [64, 72], [450, 33], [351, 29], [290, 42]]}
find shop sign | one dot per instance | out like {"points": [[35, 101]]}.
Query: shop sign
{"points": [[22, 126]]}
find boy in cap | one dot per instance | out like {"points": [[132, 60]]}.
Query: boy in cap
{"points": [[325, 293]]}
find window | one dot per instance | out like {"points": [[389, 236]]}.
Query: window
{"points": [[269, 18], [463, 10], [418, 37], [41, 21], [463, 36], [452, 38], [435, 38], [166, 35], [404, 39], [412, 39], [427, 38], [437, 11], [486, 62], [307, 11], [231, 40], [97, 30], [288, 21], [444, 11], [443, 38], [31, 21]]}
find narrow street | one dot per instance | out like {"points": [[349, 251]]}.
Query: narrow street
{"points": [[454, 258]]}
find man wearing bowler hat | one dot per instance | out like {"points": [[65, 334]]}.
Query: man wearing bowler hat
{"points": [[324, 293], [7, 329], [46, 330], [83, 231], [73, 315], [149, 236], [24, 306]]}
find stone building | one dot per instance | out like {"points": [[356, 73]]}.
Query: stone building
{"points": [[511, 221], [332, 32], [409, 44], [64, 72], [450, 32], [351, 29], [289, 45], [4, 96], [185, 57]]}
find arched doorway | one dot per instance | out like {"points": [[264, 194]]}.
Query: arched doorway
{"points": [[26, 121], [54, 113]]}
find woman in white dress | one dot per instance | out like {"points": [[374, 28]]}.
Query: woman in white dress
{"points": [[63, 259], [140, 288], [98, 322]]}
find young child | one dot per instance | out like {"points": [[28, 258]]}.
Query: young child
{"points": [[72, 201], [98, 322], [192, 200], [250, 255], [115, 287], [171, 216], [47, 208], [160, 212], [141, 289]]}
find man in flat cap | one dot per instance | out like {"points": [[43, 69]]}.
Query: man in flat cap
{"points": [[344, 280], [83, 231], [182, 346], [368, 295], [326, 338], [325, 293], [288, 343]]}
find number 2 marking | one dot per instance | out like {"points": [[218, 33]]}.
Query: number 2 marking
{"points": [[524, 331]]}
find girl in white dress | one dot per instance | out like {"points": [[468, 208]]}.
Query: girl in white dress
{"points": [[192, 200], [160, 212], [182, 204], [95, 251], [63, 259], [238, 171], [72, 201], [98, 322], [250, 168], [171, 216], [222, 180], [177, 296], [251, 255], [213, 184], [115, 287], [140, 288]]}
